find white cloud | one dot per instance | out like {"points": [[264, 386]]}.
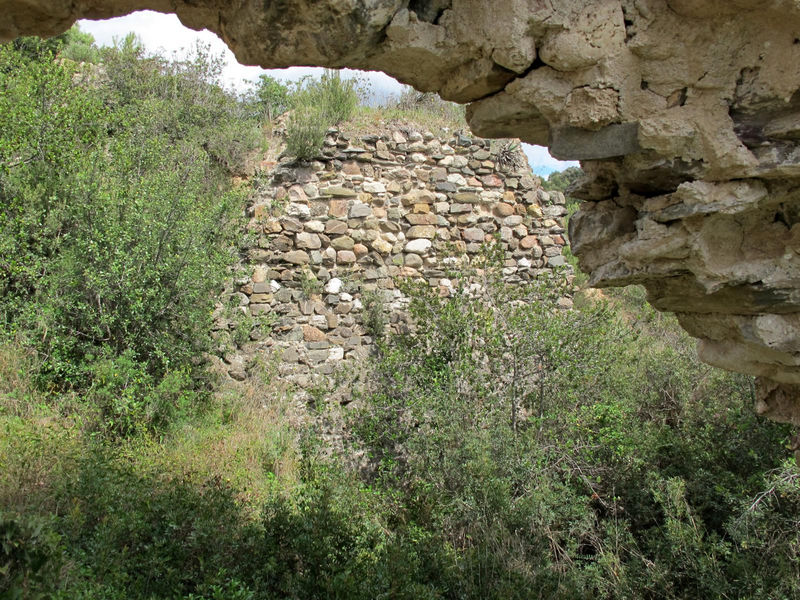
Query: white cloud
{"points": [[165, 33], [542, 163]]}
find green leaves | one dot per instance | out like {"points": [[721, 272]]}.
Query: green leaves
{"points": [[116, 213], [318, 104], [29, 557], [272, 97], [580, 453]]}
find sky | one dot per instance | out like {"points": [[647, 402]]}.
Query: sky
{"points": [[160, 32]]}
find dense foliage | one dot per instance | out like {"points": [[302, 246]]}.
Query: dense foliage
{"points": [[503, 447], [578, 454], [272, 97], [116, 212], [561, 180], [513, 450], [317, 105]]}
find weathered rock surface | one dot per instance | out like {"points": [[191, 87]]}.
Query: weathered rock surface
{"points": [[686, 114]]}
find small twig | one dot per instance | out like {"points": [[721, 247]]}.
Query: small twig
{"points": [[788, 478]]}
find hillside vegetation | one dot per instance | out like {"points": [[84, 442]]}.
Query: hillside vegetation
{"points": [[503, 448]]}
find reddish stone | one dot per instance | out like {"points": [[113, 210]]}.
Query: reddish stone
{"points": [[338, 208], [421, 232], [312, 334], [336, 227], [351, 168], [473, 234], [492, 181], [296, 194], [424, 219]]}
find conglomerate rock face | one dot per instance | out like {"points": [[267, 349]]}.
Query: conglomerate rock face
{"points": [[684, 113]]}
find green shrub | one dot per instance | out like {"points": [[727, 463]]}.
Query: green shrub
{"points": [[333, 544], [272, 97], [150, 536], [572, 453], [373, 317], [30, 556], [72, 44], [130, 400], [561, 180], [117, 217], [309, 284], [337, 97], [318, 105], [79, 46], [305, 132]]}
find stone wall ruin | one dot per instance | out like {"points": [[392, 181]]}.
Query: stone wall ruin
{"points": [[372, 210], [685, 113]]}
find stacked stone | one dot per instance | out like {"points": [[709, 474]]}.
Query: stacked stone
{"points": [[376, 208]]}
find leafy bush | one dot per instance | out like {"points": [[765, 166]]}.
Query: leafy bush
{"points": [[72, 44], [318, 105], [79, 46], [130, 400], [337, 97], [272, 97], [309, 284], [151, 537], [116, 215], [373, 318], [305, 132], [561, 180], [30, 556], [571, 453]]}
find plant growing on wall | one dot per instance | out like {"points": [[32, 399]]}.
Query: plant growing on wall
{"points": [[318, 105], [372, 315], [310, 285]]}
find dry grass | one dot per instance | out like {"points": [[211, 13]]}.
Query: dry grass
{"points": [[248, 438], [35, 455], [411, 110], [37, 444], [17, 392], [442, 120]]}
